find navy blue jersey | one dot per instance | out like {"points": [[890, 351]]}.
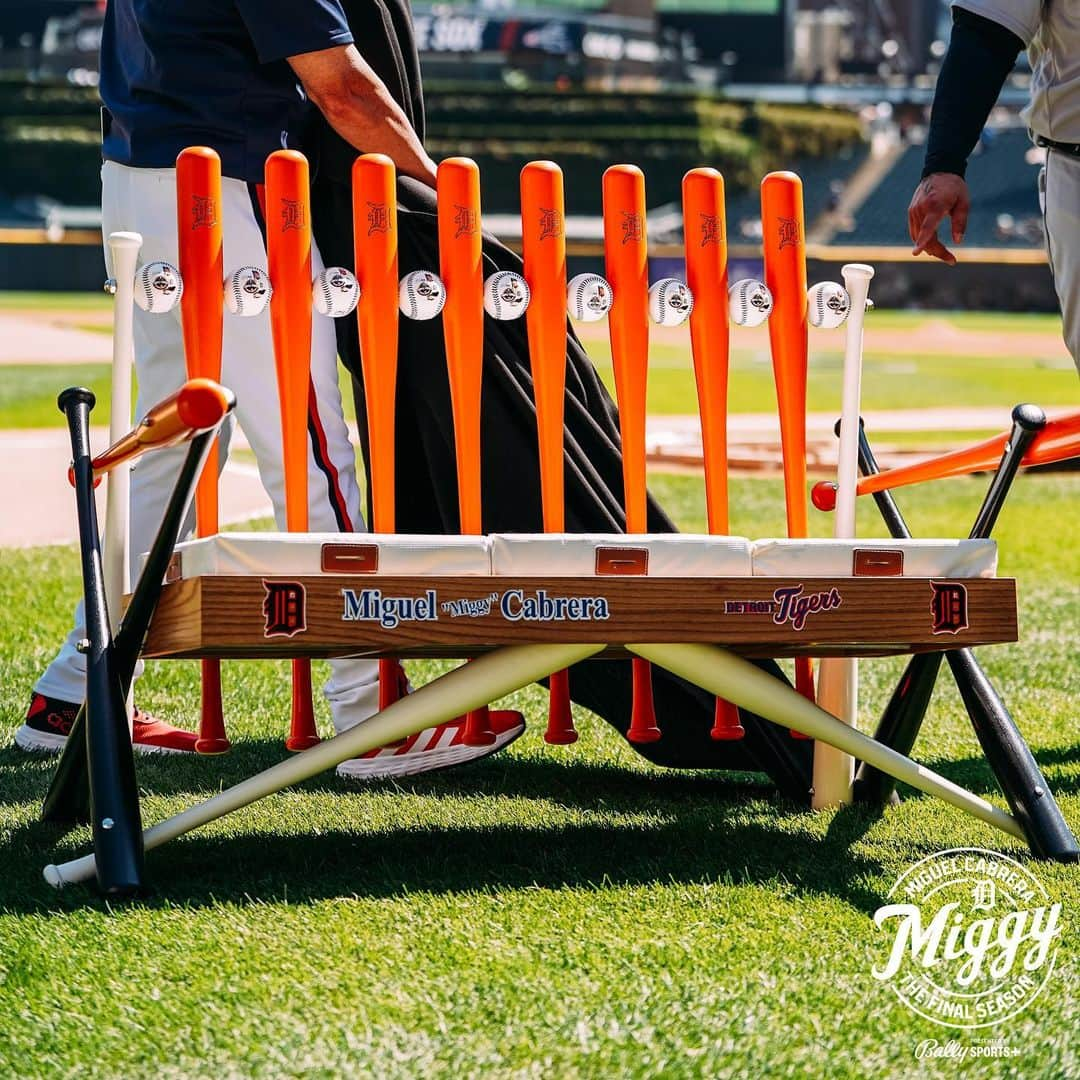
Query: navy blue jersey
{"points": [[178, 73]]}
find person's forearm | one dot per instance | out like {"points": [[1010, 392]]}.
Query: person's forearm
{"points": [[981, 54], [364, 114]]}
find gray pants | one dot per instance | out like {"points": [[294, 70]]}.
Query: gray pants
{"points": [[1060, 197]]}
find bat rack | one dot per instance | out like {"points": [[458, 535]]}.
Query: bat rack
{"points": [[95, 779]]}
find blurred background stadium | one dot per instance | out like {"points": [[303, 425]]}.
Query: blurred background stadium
{"points": [[839, 92]]}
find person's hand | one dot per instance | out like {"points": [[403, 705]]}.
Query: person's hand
{"points": [[938, 196]]}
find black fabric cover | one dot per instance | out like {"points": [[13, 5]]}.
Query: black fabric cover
{"points": [[426, 481]]}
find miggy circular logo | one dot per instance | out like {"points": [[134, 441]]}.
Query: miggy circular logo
{"points": [[969, 938]]}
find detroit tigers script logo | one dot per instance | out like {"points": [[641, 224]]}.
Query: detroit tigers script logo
{"points": [[378, 218], [292, 215], [631, 226], [788, 232], [711, 231], [284, 608], [464, 221], [203, 212], [550, 223], [791, 604]]}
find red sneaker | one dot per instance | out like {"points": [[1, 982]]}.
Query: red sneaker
{"points": [[48, 724], [439, 747]]}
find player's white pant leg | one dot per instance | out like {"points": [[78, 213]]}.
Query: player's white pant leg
{"points": [[144, 200], [1061, 212], [333, 493]]}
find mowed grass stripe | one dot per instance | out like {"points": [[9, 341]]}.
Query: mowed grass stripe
{"points": [[549, 912]]}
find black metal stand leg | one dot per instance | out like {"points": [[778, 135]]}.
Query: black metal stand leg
{"points": [[68, 797], [899, 726], [1012, 763], [1010, 759], [107, 755]]}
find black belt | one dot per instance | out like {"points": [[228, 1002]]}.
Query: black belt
{"points": [[1072, 149]]}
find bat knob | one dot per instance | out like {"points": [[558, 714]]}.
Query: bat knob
{"points": [[75, 395], [1029, 417], [823, 495], [836, 427]]}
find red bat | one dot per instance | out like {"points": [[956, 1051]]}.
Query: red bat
{"points": [[1058, 441]]}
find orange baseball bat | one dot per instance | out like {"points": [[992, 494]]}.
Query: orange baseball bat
{"points": [[199, 235], [627, 267], [784, 243], [198, 405], [375, 240], [1058, 441], [288, 252], [457, 192], [544, 252], [705, 241]]}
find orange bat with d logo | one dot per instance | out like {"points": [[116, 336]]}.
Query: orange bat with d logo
{"points": [[288, 250], [544, 253], [705, 240], [375, 236], [199, 234], [784, 243], [627, 267]]}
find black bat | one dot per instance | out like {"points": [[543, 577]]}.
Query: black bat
{"points": [[68, 798], [1007, 753], [110, 763]]}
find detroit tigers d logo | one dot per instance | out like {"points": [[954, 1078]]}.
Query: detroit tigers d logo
{"points": [[284, 609]]}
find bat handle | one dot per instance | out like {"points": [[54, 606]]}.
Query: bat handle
{"points": [[1028, 421], [302, 731], [478, 728], [886, 504], [643, 727], [560, 728], [212, 738], [391, 678], [804, 683], [726, 724]]}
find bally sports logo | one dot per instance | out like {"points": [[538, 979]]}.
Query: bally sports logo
{"points": [[514, 605], [791, 604]]}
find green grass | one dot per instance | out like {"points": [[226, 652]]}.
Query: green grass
{"points": [[55, 301], [546, 913], [889, 381], [28, 391]]}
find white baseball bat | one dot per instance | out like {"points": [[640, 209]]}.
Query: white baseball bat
{"points": [[116, 549], [838, 677], [733, 677], [470, 686]]}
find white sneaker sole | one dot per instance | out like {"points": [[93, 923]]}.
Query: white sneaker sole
{"points": [[422, 761], [45, 742]]}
